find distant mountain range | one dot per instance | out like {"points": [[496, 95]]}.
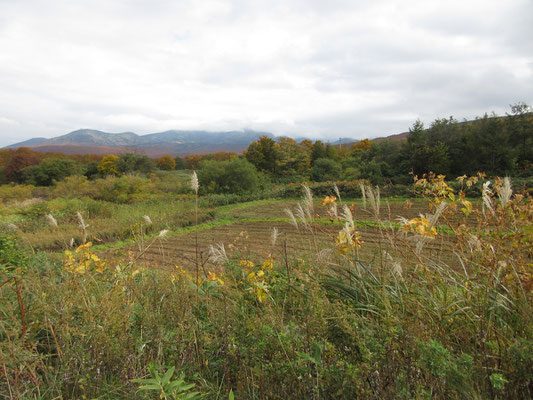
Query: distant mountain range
{"points": [[89, 141], [182, 143]]}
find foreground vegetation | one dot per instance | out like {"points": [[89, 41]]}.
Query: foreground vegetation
{"points": [[333, 322]]}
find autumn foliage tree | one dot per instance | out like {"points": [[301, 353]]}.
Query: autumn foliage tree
{"points": [[364, 144], [21, 158], [108, 165], [166, 163]]}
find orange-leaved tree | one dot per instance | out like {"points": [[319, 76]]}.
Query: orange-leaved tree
{"points": [[166, 163], [21, 158]]}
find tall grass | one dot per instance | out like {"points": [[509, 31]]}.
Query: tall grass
{"points": [[408, 323]]}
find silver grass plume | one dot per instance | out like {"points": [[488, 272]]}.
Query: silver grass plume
{"points": [[397, 269], [292, 218], [402, 220], [324, 255], [163, 233], [147, 219], [194, 182], [51, 220], [302, 215], [308, 202], [374, 199], [505, 191], [218, 253], [433, 218], [487, 200], [333, 211], [274, 236], [12, 227], [337, 192], [71, 243], [348, 217], [363, 194], [474, 243], [420, 241], [83, 226]]}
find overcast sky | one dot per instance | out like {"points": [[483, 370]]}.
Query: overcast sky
{"points": [[312, 68]]}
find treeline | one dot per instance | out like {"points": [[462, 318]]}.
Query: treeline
{"points": [[24, 165], [495, 145]]}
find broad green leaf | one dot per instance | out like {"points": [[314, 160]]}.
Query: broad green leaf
{"points": [[167, 376]]}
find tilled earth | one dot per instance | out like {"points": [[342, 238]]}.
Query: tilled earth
{"points": [[252, 239]]}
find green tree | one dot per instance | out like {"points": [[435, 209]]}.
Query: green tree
{"points": [[421, 154], [263, 154], [292, 158], [331, 152], [317, 151], [180, 163], [325, 169], [50, 171], [232, 176], [91, 170], [520, 127], [372, 171], [130, 162]]}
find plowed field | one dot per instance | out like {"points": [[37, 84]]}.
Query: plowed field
{"points": [[246, 232]]}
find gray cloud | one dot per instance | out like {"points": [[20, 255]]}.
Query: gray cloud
{"points": [[299, 67]]}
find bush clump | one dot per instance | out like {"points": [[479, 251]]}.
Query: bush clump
{"points": [[235, 176]]}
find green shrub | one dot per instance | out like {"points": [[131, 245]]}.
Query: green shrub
{"points": [[12, 255], [13, 192], [231, 176], [124, 189], [75, 187]]}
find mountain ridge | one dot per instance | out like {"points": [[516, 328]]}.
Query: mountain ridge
{"points": [[171, 142]]}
